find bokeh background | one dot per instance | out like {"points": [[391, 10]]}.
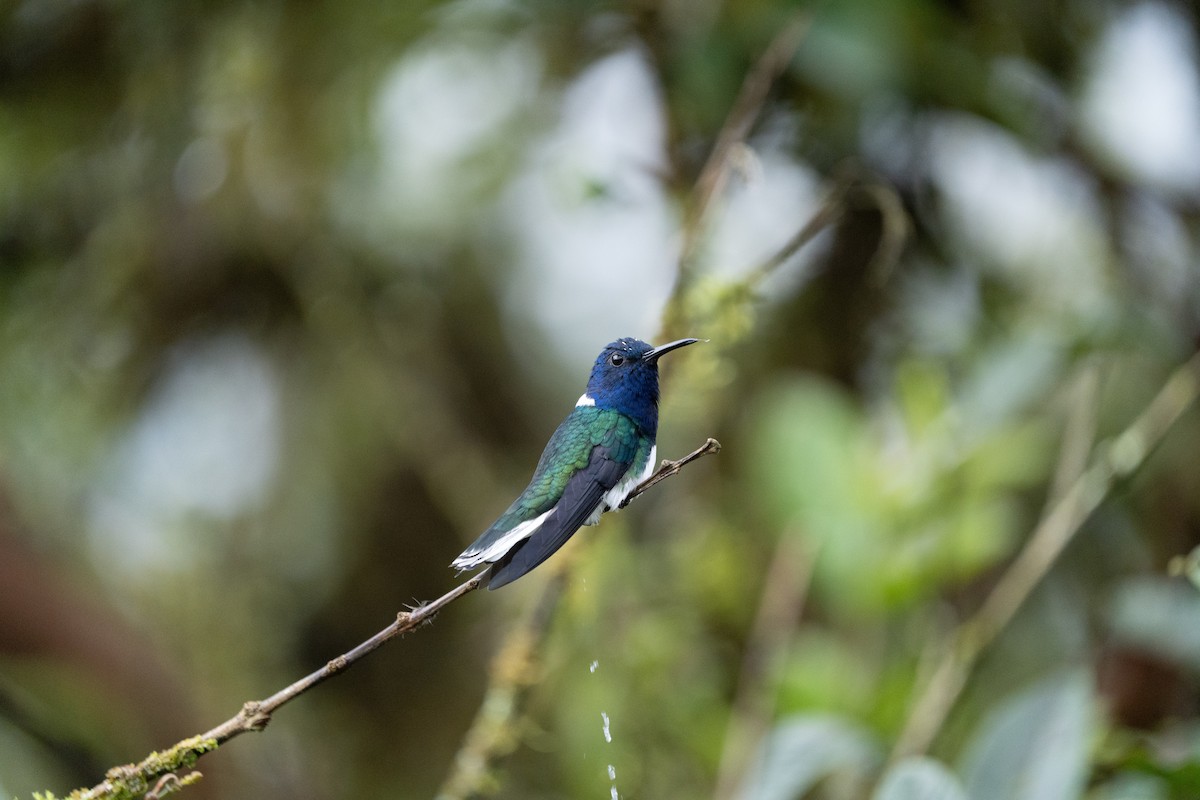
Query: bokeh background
{"points": [[291, 295]]}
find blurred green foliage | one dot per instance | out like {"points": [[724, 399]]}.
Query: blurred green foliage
{"points": [[292, 294]]}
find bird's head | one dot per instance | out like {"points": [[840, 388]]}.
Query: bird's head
{"points": [[625, 378]]}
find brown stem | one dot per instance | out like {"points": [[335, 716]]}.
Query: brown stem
{"points": [[669, 468], [850, 190], [1061, 520], [515, 668], [741, 118], [255, 715], [746, 109]]}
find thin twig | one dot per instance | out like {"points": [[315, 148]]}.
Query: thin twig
{"points": [[514, 669], [135, 779], [669, 468], [829, 212], [849, 189], [895, 228], [745, 112], [1058, 525], [713, 176], [255, 715]]}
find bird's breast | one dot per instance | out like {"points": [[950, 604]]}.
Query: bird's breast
{"points": [[616, 495]]}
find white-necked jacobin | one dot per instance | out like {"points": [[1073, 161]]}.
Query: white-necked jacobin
{"points": [[601, 451]]}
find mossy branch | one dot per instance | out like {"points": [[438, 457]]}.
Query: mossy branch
{"points": [[148, 778]]}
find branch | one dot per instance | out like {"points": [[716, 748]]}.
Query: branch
{"points": [[741, 118], [135, 780], [256, 715], [515, 668], [848, 190], [746, 110], [829, 212], [669, 468], [1060, 522]]}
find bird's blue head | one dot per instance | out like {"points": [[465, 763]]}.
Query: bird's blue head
{"points": [[625, 378]]}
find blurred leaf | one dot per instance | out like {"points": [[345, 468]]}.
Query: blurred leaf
{"points": [[1007, 379], [810, 438], [923, 392], [919, 779], [1164, 764], [898, 513], [824, 671], [1174, 780], [1159, 615], [1133, 787], [1019, 455], [1034, 745], [802, 751]]}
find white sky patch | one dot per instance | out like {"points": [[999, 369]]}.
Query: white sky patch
{"points": [[441, 104], [1141, 106], [1161, 248], [201, 170], [595, 233], [941, 308], [764, 206], [206, 442], [1034, 217]]}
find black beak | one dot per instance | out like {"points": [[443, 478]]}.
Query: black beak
{"points": [[653, 355]]}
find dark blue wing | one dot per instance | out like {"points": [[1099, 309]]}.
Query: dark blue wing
{"points": [[568, 450], [582, 494]]}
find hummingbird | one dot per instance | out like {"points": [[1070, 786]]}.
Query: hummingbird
{"points": [[601, 451]]}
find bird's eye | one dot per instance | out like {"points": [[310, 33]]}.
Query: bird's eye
{"points": [[616, 359]]}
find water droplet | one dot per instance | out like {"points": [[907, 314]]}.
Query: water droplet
{"points": [[594, 666], [607, 733], [612, 772]]}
